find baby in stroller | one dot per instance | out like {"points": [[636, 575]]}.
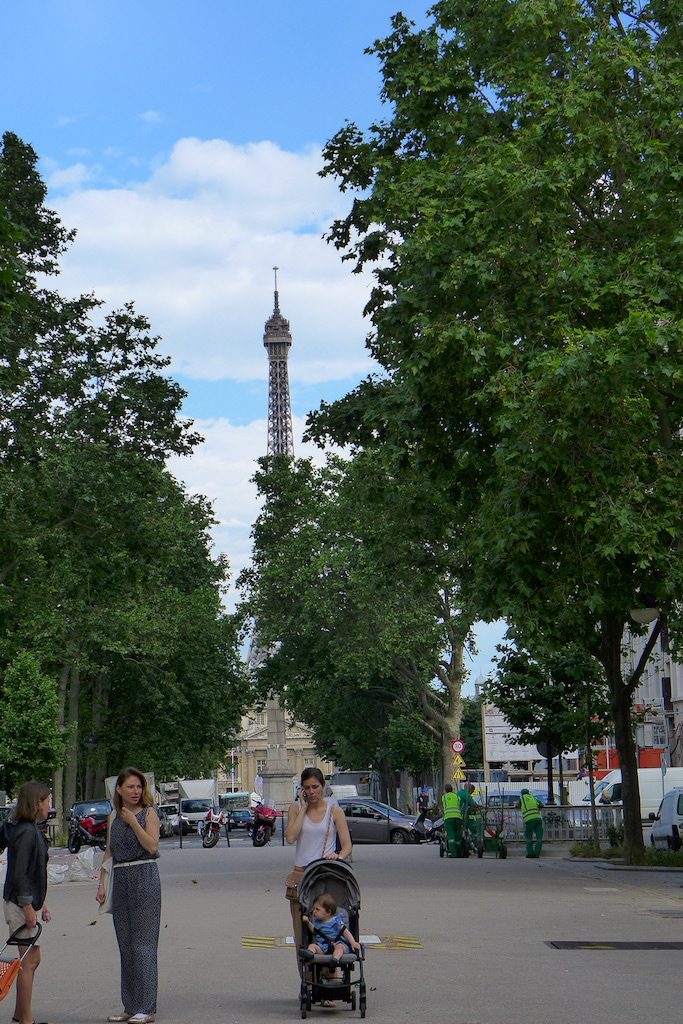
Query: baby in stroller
{"points": [[329, 903], [331, 936]]}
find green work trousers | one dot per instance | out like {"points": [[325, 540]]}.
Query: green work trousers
{"points": [[533, 833], [453, 828]]}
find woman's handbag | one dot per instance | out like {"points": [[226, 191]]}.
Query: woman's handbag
{"points": [[107, 873], [107, 879], [292, 883]]}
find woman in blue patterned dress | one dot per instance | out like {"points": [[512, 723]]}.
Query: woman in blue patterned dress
{"points": [[133, 846]]}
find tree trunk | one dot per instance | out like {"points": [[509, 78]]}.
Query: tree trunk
{"points": [[58, 777], [620, 702], [71, 771], [407, 788], [95, 770]]}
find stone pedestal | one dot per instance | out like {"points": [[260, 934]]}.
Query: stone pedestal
{"points": [[277, 773]]}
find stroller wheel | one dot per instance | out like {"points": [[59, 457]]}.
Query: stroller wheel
{"points": [[302, 1006], [353, 1000], [442, 850]]}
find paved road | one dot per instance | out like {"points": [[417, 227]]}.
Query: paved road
{"points": [[483, 928]]}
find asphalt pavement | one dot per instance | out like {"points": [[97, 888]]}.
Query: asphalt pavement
{"points": [[456, 941]]}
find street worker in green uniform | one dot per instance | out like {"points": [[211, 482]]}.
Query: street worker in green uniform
{"points": [[533, 823], [468, 806], [452, 820]]}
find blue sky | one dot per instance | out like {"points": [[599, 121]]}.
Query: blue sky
{"points": [[182, 141]]}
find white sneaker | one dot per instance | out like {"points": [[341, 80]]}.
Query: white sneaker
{"points": [[141, 1018]]}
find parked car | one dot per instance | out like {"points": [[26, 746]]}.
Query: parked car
{"points": [[667, 824], [171, 811], [165, 823], [373, 822], [240, 817]]}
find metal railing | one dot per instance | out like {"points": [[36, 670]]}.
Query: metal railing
{"points": [[560, 823]]}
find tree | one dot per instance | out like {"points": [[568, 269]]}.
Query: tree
{"points": [[359, 603], [106, 571], [31, 744], [560, 699], [521, 208]]}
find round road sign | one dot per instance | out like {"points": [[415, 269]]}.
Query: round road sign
{"points": [[457, 746]]}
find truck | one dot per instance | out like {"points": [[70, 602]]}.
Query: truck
{"points": [[652, 783], [195, 798]]}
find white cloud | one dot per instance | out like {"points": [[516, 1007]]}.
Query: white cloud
{"points": [[72, 177], [151, 116], [193, 246]]}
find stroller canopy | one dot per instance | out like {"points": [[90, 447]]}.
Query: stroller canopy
{"points": [[333, 876]]}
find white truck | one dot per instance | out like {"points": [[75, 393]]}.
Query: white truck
{"points": [[195, 798], [651, 783]]}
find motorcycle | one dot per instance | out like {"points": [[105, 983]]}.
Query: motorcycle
{"points": [[265, 823], [211, 828], [86, 831]]}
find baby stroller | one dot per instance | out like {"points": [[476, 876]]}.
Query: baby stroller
{"points": [[337, 878]]}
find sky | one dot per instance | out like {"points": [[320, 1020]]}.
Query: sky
{"points": [[183, 142]]}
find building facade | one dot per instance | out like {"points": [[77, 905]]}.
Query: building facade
{"points": [[249, 757]]}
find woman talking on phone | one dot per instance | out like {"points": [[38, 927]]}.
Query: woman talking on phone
{"points": [[313, 823]]}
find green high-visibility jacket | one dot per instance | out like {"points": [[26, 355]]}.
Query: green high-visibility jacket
{"points": [[451, 806], [531, 809]]}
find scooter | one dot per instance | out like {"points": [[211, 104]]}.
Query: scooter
{"points": [[423, 830], [211, 831], [265, 823], [86, 832]]}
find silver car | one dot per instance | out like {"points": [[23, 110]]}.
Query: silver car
{"points": [[373, 822]]}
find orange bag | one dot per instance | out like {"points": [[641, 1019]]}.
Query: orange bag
{"points": [[8, 972], [10, 968]]}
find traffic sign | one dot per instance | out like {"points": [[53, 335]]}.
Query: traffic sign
{"points": [[457, 746], [458, 774], [458, 761]]}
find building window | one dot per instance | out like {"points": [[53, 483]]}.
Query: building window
{"points": [[260, 718], [309, 762], [260, 764]]}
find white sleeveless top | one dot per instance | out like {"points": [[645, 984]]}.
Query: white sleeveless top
{"points": [[309, 845]]}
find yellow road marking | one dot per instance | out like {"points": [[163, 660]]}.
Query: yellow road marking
{"points": [[387, 942]]}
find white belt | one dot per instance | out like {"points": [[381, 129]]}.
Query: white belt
{"points": [[131, 863]]}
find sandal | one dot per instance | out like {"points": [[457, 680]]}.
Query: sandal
{"points": [[328, 1004]]}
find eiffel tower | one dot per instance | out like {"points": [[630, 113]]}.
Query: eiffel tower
{"points": [[277, 339]]}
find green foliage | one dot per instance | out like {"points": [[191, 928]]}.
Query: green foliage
{"points": [[559, 698], [470, 732], [106, 571], [31, 744], [352, 587], [520, 208], [615, 835]]}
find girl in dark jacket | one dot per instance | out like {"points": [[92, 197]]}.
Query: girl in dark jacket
{"points": [[26, 882]]}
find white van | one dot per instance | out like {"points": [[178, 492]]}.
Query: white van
{"points": [[667, 823], [651, 783]]}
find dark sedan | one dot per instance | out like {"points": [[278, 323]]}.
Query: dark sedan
{"points": [[373, 822], [241, 817]]}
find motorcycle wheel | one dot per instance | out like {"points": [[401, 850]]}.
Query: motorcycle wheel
{"points": [[260, 837], [210, 838], [74, 844]]}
